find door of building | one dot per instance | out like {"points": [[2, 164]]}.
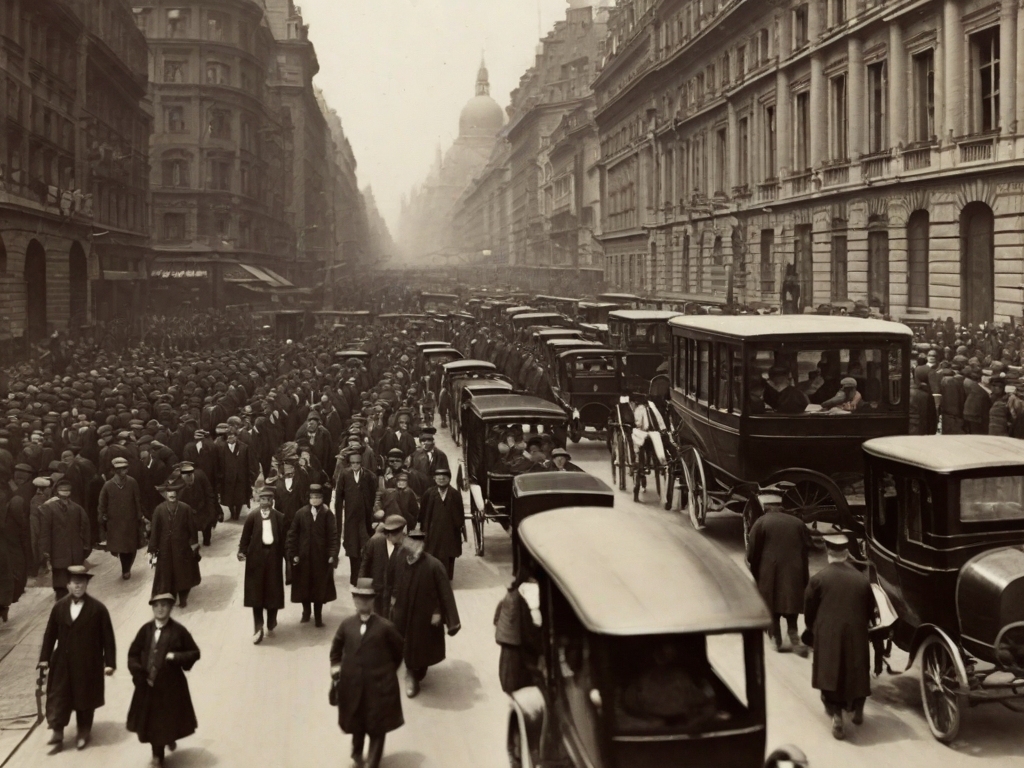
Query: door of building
{"points": [[977, 264], [878, 270]]}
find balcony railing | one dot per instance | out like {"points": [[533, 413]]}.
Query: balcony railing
{"points": [[916, 159], [768, 190], [801, 182], [976, 149], [875, 166], [836, 175]]}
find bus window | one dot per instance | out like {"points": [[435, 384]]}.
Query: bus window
{"points": [[703, 370]]}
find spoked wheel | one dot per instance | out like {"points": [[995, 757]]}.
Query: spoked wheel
{"points": [[515, 748], [478, 530], [815, 497], [943, 691], [694, 487], [619, 458]]}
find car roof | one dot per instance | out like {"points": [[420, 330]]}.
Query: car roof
{"points": [[519, 309], [643, 314], [474, 365], [596, 304], [544, 332], [438, 344], [515, 406], [541, 483], [635, 574], [754, 326], [440, 350], [946, 454], [537, 316], [583, 351], [573, 343], [472, 385], [351, 353]]}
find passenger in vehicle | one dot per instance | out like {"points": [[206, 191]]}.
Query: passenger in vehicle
{"points": [[847, 399], [780, 394], [673, 691], [755, 404]]}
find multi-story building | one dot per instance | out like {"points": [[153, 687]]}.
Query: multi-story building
{"points": [[73, 165], [870, 149], [481, 215], [219, 153]]}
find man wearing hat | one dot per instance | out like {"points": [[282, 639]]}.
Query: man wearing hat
{"points": [[44, 491], [152, 473], [355, 501], [953, 397], [202, 454], [399, 436], [838, 609], [314, 434], [261, 548], [378, 560], [197, 492], [427, 457], [312, 549], [977, 405], [923, 418], [395, 460], [560, 462], [999, 415], [64, 538], [442, 516], [18, 556], [162, 652], [291, 492], [402, 500], [236, 474], [777, 551], [78, 651], [847, 398], [174, 544], [121, 516], [365, 655], [423, 605]]}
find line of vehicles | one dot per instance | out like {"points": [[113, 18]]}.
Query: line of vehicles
{"points": [[813, 408]]}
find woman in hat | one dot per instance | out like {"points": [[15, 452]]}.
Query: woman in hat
{"points": [[261, 548], [442, 516], [365, 656], [161, 711], [64, 538], [174, 544]]}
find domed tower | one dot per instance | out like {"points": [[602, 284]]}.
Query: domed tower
{"points": [[481, 117]]}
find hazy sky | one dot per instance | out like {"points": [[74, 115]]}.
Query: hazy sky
{"points": [[399, 72]]}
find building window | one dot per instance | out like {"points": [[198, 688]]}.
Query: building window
{"points": [[175, 71], [243, 180], [142, 20], [744, 159], [217, 27], [839, 119], [766, 266], [917, 258], [741, 61], [721, 160], [985, 80], [770, 170], [878, 135], [800, 26], [175, 173], [217, 73], [222, 225], [220, 124], [174, 227], [174, 119], [838, 11], [220, 175], [177, 23], [762, 46], [924, 95], [803, 131], [839, 268]]}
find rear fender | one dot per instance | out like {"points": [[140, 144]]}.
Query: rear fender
{"points": [[925, 631], [529, 711]]}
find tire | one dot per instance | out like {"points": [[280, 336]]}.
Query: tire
{"points": [[477, 522], [943, 691], [814, 497], [619, 459], [515, 747], [575, 434], [696, 487]]}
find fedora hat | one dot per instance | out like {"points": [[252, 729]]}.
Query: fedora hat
{"points": [[394, 523], [364, 587], [79, 572], [162, 597]]}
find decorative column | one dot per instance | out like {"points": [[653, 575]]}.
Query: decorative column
{"points": [[1008, 67], [733, 144], [855, 94], [783, 124], [953, 65], [815, 22], [819, 110], [898, 94]]}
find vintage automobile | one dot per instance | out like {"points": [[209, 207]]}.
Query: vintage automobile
{"points": [[750, 414], [524, 320], [463, 390], [433, 358], [644, 336], [537, 492], [561, 304], [554, 347], [595, 312], [587, 383], [622, 300], [945, 540], [439, 302], [540, 336], [629, 674], [486, 420]]}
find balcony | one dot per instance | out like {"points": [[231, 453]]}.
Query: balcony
{"points": [[917, 158], [801, 183], [876, 166], [835, 175], [768, 190], [976, 149]]}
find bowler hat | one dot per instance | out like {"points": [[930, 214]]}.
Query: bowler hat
{"points": [[443, 471], [316, 490], [417, 533], [119, 462], [394, 523], [163, 597], [364, 587], [396, 453], [79, 572], [560, 452]]}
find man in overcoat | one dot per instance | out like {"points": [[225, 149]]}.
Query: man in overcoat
{"points": [[312, 548], [202, 453], [365, 656], [63, 535], [78, 651], [174, 544], [290, 493], [561, 461], [197, 491], [236, 478], [428, 457], [402, 500], [121, 516], [162, 652], [838, 608], [442, 517], [379, 560], [777, 550], [423, 605], [17, 550], [261, 548], [355, 500], [152, 473]]}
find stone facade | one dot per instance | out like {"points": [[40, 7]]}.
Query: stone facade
{"points": [[871, 149], [73, 166]]}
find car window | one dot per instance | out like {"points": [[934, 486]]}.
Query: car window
{"points": [[985, 499]]}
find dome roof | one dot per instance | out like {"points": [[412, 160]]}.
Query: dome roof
{"points": [[481, 116]]}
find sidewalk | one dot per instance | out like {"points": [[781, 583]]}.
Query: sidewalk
{"points": [[20, 640]]}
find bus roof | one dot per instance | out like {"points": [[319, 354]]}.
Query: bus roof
{"points": [[642, 315], [758, 326]]}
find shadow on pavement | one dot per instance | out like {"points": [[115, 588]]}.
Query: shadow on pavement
{"points": [[403, 759], [214, 593], [291, 635], [106, 733], [192, 757], [878, 729], [452, 685]]}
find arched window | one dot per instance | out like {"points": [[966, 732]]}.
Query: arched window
{"points": [[917, 259]]}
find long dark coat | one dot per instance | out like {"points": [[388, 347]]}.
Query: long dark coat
{"points": [[421, 590], [375, 564], [422, 462], [838, 607], [171, 540], [202, 498], [777, 553], [235, 480], [402, 502], [15, 548], [395, 439], [443, 521], [264, 566], [120, 512], [358, 500], [149, 478], [314, 542], [368, 696], [288, 503], [205, 459], [77, 652], [64, 533], [162, 712]]}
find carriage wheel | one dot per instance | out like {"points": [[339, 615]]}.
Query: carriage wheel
{"points": [[477, 521], [696, 491], [943, 693], [659, 470], [814, 497], [619, 459], [575, 433], [515, 747]]}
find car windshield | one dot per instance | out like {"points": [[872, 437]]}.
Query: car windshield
{"points": [[823, 381], [603, 365], [984, 499], [654, 336]]}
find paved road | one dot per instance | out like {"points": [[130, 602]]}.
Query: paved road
{"points": [[267, 705]]}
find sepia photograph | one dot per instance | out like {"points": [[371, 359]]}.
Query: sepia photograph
{"points": [[511, 383]]}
